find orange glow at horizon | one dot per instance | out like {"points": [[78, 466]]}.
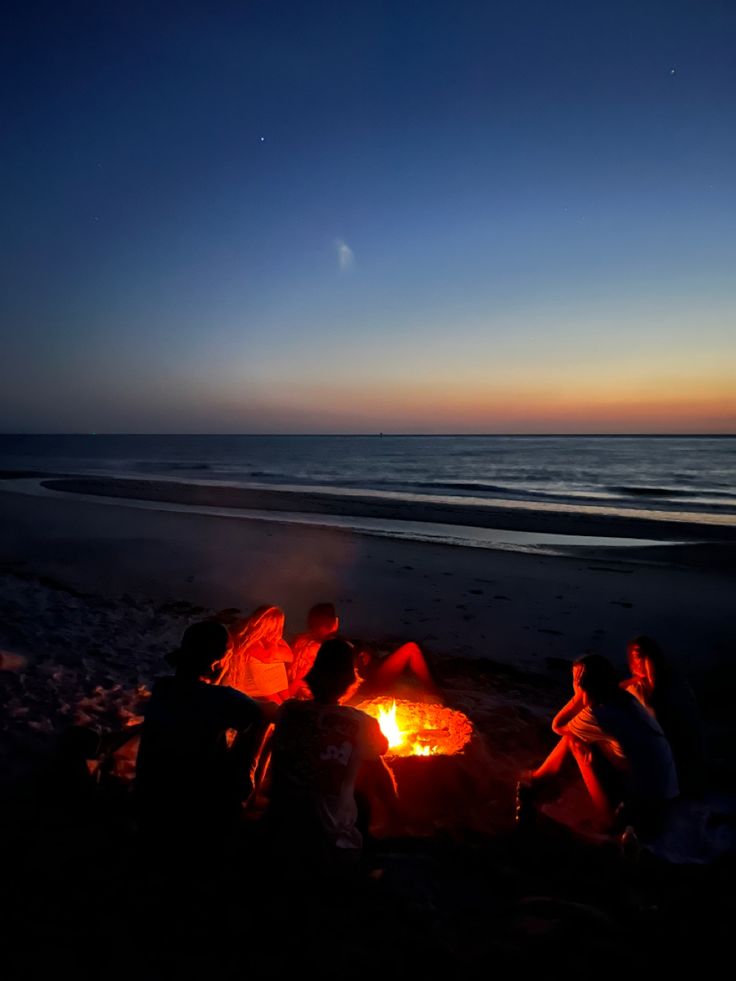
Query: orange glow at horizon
{"points": [[602, 405]]}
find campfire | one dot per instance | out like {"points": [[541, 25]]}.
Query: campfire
{"points": [[418, 728]]}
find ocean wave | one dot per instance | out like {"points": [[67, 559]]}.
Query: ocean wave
{"points": [[477, 486], [163, 466], [636, 491]]}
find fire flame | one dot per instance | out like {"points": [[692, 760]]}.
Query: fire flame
{"points": [[390, 727], [419, 729]]}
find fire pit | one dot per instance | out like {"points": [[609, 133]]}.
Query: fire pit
{"points": [[442, 769], [419, 728]]}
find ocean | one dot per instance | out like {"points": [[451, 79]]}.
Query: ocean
{"points": [[688, 474]]}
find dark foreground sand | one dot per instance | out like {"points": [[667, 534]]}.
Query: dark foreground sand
{"points": [[94, 594]]}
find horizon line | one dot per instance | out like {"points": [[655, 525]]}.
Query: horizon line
{"points": [[381, 434]]}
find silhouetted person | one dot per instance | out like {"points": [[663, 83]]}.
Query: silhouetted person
{"points": [[622, 754], [662, 689], [322, 623], [320, 749], [187, 775]]}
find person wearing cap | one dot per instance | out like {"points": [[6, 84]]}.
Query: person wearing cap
{"points": [[186, 773], [320, 749]]}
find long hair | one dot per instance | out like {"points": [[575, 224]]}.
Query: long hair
{"points": [[649, 650], [264, 625]]}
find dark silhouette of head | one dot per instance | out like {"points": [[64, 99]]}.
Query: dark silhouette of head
{"points": [[333, 672], [599, 679], [322, 621], [203, 646]]}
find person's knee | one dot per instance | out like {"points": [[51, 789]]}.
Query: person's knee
{"points": [[581, 751]]}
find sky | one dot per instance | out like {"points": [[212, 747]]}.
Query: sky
{"points": [[476, 217]]}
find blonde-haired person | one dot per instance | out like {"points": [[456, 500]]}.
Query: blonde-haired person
{"points": [[257, 663]]}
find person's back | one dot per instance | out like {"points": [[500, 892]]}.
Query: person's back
{"points": [[318, 749], [184, 738], [317, 752], [185, 767]]}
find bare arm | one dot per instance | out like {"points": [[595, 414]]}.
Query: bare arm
{"points": [[567, 713]]}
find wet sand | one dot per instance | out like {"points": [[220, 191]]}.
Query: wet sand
{"points": [[517, 515], [516, 608]]}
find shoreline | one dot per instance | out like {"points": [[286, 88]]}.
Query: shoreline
{"points": [[510, 516], [520, 608]]}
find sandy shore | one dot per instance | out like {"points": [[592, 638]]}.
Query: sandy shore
{"points": [[99, 591], [95, 593], [522, 516], [520, 609]]}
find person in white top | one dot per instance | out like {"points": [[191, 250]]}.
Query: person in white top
{"points": [[620, 750], [257, 664]]}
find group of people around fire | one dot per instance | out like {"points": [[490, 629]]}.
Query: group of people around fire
{"points": [[245, 710]]}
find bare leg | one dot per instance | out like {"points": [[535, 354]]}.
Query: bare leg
{"points": [[395, 664], [553, 764], [584, 760]]}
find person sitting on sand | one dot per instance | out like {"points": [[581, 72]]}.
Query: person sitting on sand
{"points": [[322, 623], [622, 754], [380, 673], [667, 695], [377, 672], [320, 749], [186, 775], [257, 664]]}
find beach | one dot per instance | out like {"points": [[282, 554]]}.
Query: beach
{"points": [[140, 575], [98, 589]]}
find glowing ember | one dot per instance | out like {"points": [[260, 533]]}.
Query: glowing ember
{"points": [[418, 728]]}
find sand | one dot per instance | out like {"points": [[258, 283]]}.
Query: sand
{"points": [[95, 593]]}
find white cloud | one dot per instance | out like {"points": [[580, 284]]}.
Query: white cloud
{"points": [[345, 255]]}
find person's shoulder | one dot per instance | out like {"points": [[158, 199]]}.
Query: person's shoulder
{"points": [[231, 698], [366, 722], [355, 713], [296, 711]]}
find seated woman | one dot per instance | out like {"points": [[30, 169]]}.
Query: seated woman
{"points": [[257, 664], [320, 749], [619, 748], [666, 694]]}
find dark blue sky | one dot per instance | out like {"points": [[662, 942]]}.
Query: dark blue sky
{"points": [[356, 216]]}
